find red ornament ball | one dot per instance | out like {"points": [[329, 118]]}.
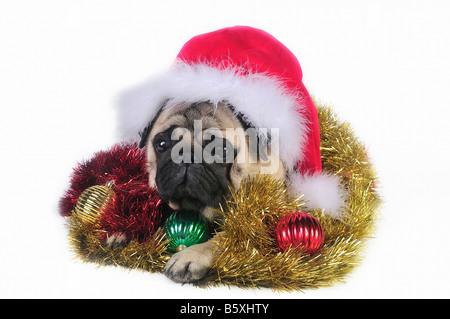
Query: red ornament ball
{"points": [[299, 230]]}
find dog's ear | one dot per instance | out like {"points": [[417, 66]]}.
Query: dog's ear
{"points": [[145, 133], [260, 147]]}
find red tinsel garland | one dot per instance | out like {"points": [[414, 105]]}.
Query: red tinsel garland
{"points": [[138, 211]]}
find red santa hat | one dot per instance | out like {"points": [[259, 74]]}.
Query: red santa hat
{"points": [[262, 79]]}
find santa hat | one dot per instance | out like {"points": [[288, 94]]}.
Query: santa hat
{"points": [[256, 74]]}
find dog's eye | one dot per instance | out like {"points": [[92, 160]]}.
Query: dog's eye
{"points": [[220, 150], [223, 151], [161, 145]]}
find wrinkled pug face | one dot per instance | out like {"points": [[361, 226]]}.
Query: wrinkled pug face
{"points": [[196, 152]]}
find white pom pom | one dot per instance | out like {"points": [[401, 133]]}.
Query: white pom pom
{"points": [[320, 191]]}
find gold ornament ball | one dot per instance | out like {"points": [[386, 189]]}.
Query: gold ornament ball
{"points": [[93, 202]]}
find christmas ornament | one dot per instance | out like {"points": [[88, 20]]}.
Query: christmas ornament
{"points": [[301, 231], [186, 228], [93, 202], [138, 210]]}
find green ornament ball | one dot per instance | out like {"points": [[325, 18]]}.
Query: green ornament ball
{"points": [[184, 229]]}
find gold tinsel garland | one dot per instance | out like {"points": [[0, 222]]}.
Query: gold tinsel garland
{"points": [[247, 252]]}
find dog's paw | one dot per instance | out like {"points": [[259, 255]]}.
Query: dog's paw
{"points": [[190, 264], [116, 239]]}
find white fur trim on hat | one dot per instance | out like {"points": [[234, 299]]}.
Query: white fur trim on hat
{"points": [[261, 99], [322, 191]]}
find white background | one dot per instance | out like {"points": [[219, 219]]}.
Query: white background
{"points": [[383, 65]]}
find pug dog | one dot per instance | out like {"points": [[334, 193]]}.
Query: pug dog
{"points": [[196, 152]]}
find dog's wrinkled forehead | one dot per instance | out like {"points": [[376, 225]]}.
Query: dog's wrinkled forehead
{"points": [[186, 115], [205, 112]]}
